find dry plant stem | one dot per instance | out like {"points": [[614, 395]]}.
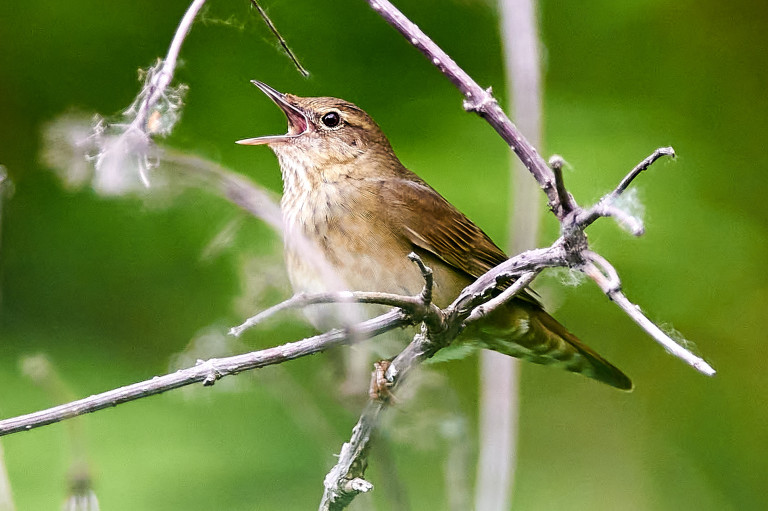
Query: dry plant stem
{"points": [[565, 199], [207, 372], [280, 39], [165, 75], [605, 275], [640, 167], [155, 89], [604, 207], [499, 375]]}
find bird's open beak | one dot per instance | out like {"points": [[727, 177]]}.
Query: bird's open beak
{"points": [[298, 124]]}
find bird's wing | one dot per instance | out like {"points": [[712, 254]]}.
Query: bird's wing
{"points": [[523, 330], [433, 224]]}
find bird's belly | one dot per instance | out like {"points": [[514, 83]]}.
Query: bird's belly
{"points": [[380, 265], [332, 244]]}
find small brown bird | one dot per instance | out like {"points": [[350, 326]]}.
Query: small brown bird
{"points": [[346, 191]]}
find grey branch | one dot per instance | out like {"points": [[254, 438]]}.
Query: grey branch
{"points": [[410, 304], [605, 275], [476, 98], [207, 372]]}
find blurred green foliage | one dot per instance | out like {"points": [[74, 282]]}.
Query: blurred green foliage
{"points": [[110, 289]]}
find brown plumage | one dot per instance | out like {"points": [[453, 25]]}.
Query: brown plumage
{"points": [[345, 190]]}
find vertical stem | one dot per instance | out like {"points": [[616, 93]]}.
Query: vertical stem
{"points": [[499, 385], [6, 498], [163, 78]]}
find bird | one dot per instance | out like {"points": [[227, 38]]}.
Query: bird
{"points": [[346, 191]]}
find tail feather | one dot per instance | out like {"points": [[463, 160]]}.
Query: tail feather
{"points": [[525, 331]]}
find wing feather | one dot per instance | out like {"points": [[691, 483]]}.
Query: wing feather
{"points": [[433, 224]]}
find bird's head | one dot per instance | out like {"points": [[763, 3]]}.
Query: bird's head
{"points": [[322, 130]]}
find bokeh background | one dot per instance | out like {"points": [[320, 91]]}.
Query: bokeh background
{"points": [[112, 290]]}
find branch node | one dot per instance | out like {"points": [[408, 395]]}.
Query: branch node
{"points": [[380, 383], [602, 272], [479, 103], [565, 204], [213, 373], [356, 485], [429, 281]]}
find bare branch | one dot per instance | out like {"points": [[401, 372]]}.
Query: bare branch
{"points": [[412, 305], [207, 372], [163, 77], [556, 163], [483, 310], [605, 206], [605, 275], [476, 100], [338, 492], [643, 165]]}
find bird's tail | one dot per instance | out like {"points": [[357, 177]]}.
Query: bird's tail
{"points": [[524, 330]]}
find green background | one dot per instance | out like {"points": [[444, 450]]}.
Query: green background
{"points": [[110, 289]]}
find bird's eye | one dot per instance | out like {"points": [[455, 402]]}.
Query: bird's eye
{"points": [[331, 119]]}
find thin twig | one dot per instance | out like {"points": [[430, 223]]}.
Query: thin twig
{"points": [[605, 206], [137, 134], [412, 305], [162, 78], [556, 163], [280, 39], [605, 275], [483, 310], [643, 165], [345, 480]]}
